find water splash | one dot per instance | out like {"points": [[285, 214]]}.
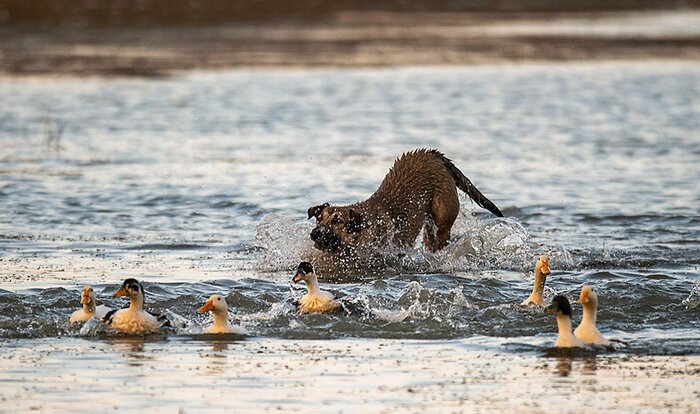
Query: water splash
{"points": [[693, 299], [284, 243], [477, 244]]}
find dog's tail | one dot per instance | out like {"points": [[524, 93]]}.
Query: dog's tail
{"points": [[465, 185]]}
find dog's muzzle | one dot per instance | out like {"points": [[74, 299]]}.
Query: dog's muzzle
{"points": [[325, 240]]}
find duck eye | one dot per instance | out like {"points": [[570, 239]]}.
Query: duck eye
{"points": [[218, 299]]}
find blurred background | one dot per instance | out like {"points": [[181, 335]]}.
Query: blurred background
{"points": [[155, 37]]}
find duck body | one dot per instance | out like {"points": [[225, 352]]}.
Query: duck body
{"points": [[562, 308], [566, 338], [587, 331], [315, 300], [134, 319], [81, 315], [318, 301], [225, 329], [217, 305], [88, 309], [541, 273]]}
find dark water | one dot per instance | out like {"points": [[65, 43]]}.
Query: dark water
{"points": [[200, 184]]}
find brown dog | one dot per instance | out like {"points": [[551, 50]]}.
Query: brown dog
{"points": [[420, 191]]}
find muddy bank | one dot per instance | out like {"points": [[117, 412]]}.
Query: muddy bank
{"points": [[118, 13], [351, 39]]}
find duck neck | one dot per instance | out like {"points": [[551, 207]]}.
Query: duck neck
{"points": [[89, 307], [564, 325], [136, 303], [538, 287], [589, 313], [312, 286], [221, 318]]}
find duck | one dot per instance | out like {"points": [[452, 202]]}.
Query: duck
{"points": [[315, 300], [561, 307], [89, 308], [541, 273], [587, 330], [134, 319], [217, 305]]}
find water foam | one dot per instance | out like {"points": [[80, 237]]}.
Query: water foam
{"points": [[477, 244]]}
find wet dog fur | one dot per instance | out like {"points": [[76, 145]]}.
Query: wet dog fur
{"points": [[420, 191]]}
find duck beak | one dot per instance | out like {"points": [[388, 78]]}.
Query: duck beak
{"points": [[121, 292], [551, 309], [583, 298], [545, 269], [297, 278], [207, 307], [84, 298]]}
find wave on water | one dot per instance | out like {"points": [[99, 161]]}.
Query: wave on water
{"points": [[406, 306]]}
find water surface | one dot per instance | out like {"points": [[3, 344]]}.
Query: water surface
{"points": [[199, 184]]}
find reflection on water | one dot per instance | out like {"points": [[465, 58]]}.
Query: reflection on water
{"points": [[215, 362], [585, 365], [564, 364], [589, 365], [132, 350], [219, 345]]}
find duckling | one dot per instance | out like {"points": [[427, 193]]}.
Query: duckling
{"points": [[587, 331], [87, 299], [562, 308], [316, 300], [134, 319], [217, 305], [541, 273]]}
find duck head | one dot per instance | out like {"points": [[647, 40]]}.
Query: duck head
{"points": [[560, 306], [87, 299], [131, 288], [542, 266], [305, 272], [88, 296], [215, 303], [588, 296]]}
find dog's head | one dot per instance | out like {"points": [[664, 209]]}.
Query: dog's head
{"points": [[336, 227]]}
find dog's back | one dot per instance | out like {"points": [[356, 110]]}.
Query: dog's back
{"points": [[420, 191], [419, 175]]}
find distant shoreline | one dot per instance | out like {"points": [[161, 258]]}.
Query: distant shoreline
{"points": [[350, 39], [169, 13]]}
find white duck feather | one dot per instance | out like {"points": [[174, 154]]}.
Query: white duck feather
{"points": [[315, 300], [219, 309]]}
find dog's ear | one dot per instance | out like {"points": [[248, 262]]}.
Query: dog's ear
{"points": [[316, 211], [355, 222]]}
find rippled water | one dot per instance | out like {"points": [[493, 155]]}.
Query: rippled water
{"points": [[199, 184]]}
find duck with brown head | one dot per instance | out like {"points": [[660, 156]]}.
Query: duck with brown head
{"points": [[541, 273], [89, 307]]}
